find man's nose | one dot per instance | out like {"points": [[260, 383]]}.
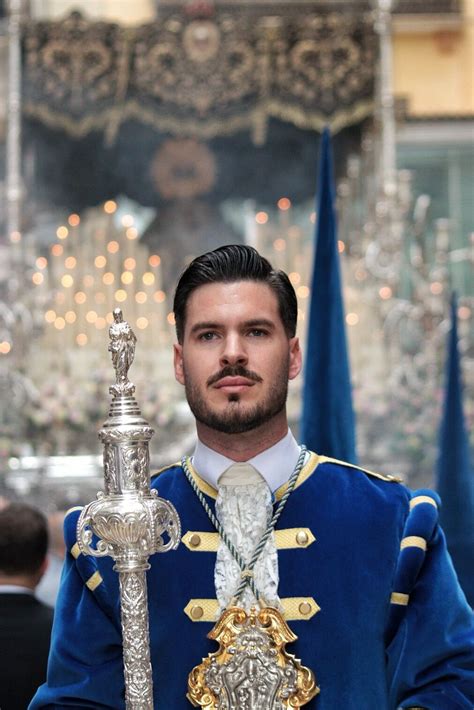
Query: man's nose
{"points": [[233, 351]]}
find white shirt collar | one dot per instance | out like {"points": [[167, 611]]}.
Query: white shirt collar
{"points": [[275, 464], [15, 589]]}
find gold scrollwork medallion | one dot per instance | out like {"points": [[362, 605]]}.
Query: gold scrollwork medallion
{"points": [[251, 669]]}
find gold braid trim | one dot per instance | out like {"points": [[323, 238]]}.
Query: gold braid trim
{"points": [[294, 609]]}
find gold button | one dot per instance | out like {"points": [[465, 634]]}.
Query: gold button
{"points": [[302, 538], [195, 540], [197, 612], [305, 608]]}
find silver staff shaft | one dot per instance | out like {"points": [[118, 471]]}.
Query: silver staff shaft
{"points": [[129, 521]]}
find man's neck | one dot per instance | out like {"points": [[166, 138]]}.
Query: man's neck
{"points": [[19, 581], [242, 447]]}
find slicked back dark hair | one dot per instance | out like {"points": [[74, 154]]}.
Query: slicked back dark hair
{"points": [[230, 263], [23, 539]]}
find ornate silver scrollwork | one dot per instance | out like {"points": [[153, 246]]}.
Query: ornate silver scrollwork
{"points": [[252, 669], [129, 522]]}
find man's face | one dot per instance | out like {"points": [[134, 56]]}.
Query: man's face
{"points": [[236, 359]]}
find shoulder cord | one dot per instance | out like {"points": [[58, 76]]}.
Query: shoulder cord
{"points": [[247, 577]]}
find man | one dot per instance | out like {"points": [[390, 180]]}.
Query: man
{"points": [[355, 564], [25, 623], [48, 587]]}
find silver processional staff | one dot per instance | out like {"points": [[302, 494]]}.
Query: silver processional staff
{"points": [[128, 519]]}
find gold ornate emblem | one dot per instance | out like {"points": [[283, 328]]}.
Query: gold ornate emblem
{"points": [[251, 670]]}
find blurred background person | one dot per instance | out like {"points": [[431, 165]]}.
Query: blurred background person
{"points": [[47, 589], [25, 622]]}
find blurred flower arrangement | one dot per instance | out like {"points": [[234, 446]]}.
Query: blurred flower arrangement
{"points": [[64, 414]]}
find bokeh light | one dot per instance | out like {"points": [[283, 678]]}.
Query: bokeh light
{"points": [[148, 278], [385, 292], [129, 263], [110, 206], [352, 319], [284, 203]]}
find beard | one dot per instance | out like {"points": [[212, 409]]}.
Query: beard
{"points": [[236, 417]]}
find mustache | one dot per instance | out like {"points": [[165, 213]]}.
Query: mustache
{"points": [[233, 371]]}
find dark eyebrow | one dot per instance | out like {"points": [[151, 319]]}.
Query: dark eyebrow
{"points": [[205, 325], [254, 323], [259, 322]]}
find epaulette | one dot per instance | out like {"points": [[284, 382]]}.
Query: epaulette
{"points": [[418, 532], [165, 468], [70, 524], [381, 476], [86, 565]]}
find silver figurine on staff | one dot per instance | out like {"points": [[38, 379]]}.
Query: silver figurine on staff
{"points": [[129, 522]]}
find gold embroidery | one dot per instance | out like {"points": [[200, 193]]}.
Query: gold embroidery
{"points": [[155, 89], [299, 608], [291, 538], [75, 551], [294, 609], [210, 609], [94, 581], [399, 598], [422, 499], [413, 541], [286, 539], [208, 541]]}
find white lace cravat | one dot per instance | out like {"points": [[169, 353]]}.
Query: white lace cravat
{"points": [[244, 509]]}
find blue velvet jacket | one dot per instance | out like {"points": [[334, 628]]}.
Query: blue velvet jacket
{"points": [[367, 586]]}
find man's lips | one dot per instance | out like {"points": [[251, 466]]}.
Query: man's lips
{"points": [[231, 382]]}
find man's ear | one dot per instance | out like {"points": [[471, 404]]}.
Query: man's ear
{"points": [[295, 363], [178, 363]]}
